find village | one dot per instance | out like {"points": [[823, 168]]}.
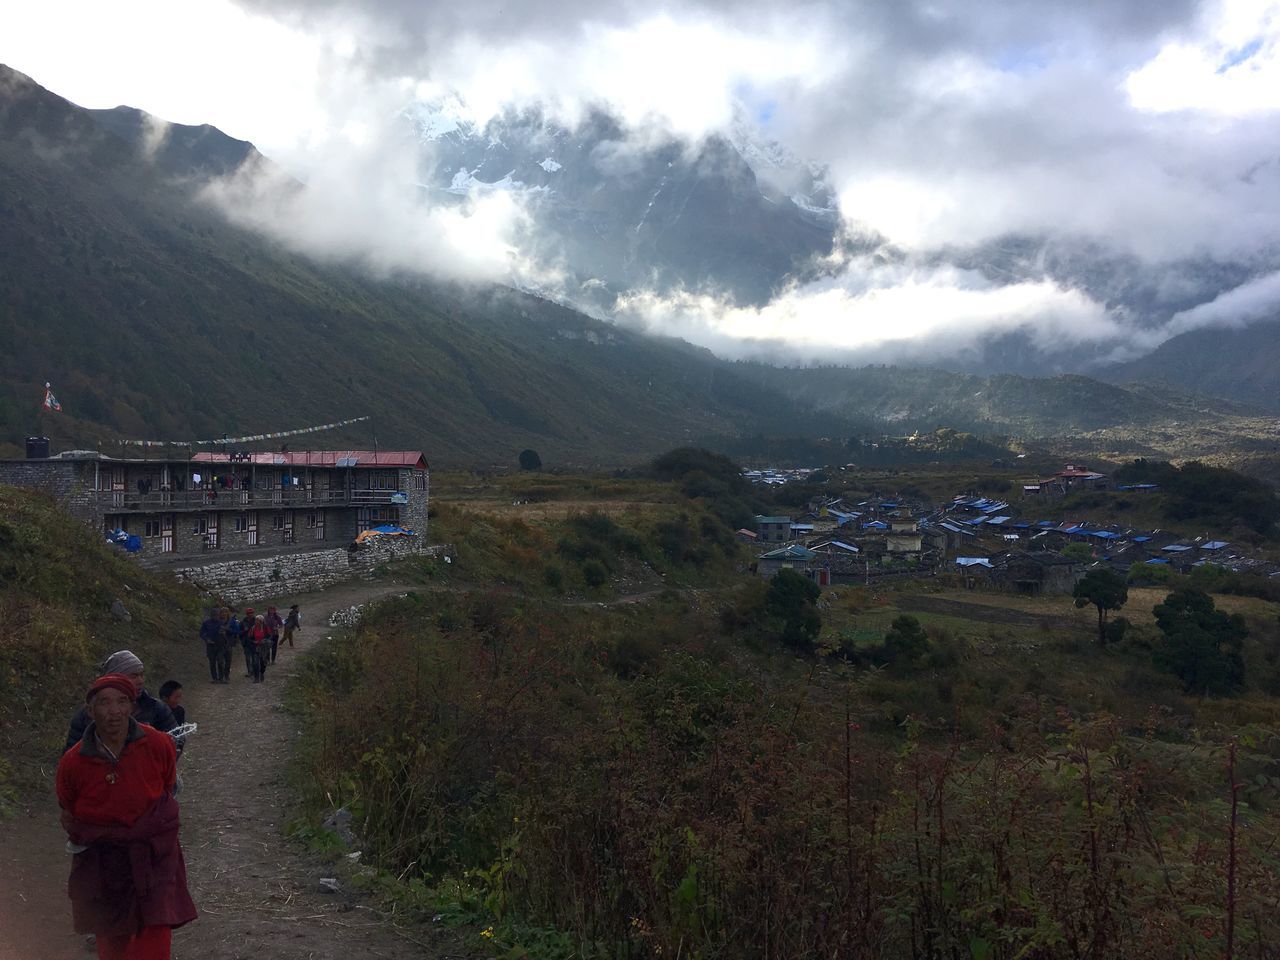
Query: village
{"points": [[982, 542]]}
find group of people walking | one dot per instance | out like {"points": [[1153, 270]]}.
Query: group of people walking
{"points": [[117, 782], [258, 635]]}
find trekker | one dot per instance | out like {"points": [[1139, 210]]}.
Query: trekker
{"points": [[246, 644], [274, 624], [211, 634], [292, 624], [228, 637], [128, 883], [260, 638], [147, 709], [171, 695]]}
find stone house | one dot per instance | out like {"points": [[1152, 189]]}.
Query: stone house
{"points": [[773, 529], [211, 504], [791, 557], [1037, 573]]}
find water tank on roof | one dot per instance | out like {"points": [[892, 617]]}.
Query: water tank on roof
{"points": [[37, 448]]}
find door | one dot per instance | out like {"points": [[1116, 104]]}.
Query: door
{"points": [[253, 528], [117, 486], [166, 533], [319, 515], [363, 519], [288, 526]]}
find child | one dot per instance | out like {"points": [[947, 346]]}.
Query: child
{"points": [[292, 623], [171, 694]]}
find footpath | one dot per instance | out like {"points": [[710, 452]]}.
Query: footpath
{"points": [[259, 895]]}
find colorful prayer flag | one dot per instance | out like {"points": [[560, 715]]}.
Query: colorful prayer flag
{"points": [[50, 401]]}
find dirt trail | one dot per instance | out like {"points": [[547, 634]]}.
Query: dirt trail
{"points": [[258, 894]]}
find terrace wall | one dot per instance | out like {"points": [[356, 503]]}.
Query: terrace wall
{"points": [[254, 579]]}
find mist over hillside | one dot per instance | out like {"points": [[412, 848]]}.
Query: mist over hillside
{"points": [[156, 317]]}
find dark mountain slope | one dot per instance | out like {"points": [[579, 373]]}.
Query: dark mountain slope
{"points": [[908, 399], [155, 317], [177, 148], [1241, 365]]}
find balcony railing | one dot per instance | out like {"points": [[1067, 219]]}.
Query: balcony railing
{"points": [[162, 501]]}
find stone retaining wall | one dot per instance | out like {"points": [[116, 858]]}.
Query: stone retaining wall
{"points": [[250, 579]]}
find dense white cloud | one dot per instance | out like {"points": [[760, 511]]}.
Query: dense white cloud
{"points": [[1255, 300], [876, 311]]}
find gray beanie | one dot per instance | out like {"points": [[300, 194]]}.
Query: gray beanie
{"points": [[122, 661]]}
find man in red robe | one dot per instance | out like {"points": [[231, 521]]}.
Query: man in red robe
{"points": [[128, 882]]}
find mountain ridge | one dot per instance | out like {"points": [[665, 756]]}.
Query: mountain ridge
{"points": [[156, 317]]}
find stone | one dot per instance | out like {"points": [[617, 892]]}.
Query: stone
{"points": [[120, 612]]}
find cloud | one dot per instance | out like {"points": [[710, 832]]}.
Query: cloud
{"points": [[1148, 128], [873, 311], [363, 204], [1256, 300]]}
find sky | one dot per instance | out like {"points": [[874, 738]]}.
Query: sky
{"points": [[1153, 128]]}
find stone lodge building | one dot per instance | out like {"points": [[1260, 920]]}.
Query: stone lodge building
{"points": [[214, 503]]}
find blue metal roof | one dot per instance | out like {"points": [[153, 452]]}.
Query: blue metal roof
{"points": [[1214, 545], [1103, 534], [999, 520], [1158, 560], [1046, 524], [1177, 548], [973, 562], [1022, 525], [1141, 539]]}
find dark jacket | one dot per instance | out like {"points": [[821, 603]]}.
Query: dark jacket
{"points": [[211, 632], [148, 710], [130, 877]]}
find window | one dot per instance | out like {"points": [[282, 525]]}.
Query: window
{"points": [[311, 519], [420, 480], [384, 515], [200, 526], [152, 528], [242, 523], [277, 521]]}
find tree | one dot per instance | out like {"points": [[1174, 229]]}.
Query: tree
{"points": [[1203, 646], [529, 460], [906, 642], [1106, 590], [790, 605]]}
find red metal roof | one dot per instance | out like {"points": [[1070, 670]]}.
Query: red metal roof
{"points": [[325, 458]]}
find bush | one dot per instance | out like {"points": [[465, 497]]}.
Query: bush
{"points": [[594, 573]]}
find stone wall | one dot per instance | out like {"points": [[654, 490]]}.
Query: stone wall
{"points": [[70, 482], [252, 579]]}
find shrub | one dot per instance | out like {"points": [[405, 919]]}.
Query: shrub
{"points": [[594, 573]]}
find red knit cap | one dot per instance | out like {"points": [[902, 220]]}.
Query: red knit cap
{"points": [[112, 681]]}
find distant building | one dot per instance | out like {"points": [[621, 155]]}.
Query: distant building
{"points": [[791, 557], [1073, 476], [903, 538], [1037, 573], [219, 502], [773, 529]]}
